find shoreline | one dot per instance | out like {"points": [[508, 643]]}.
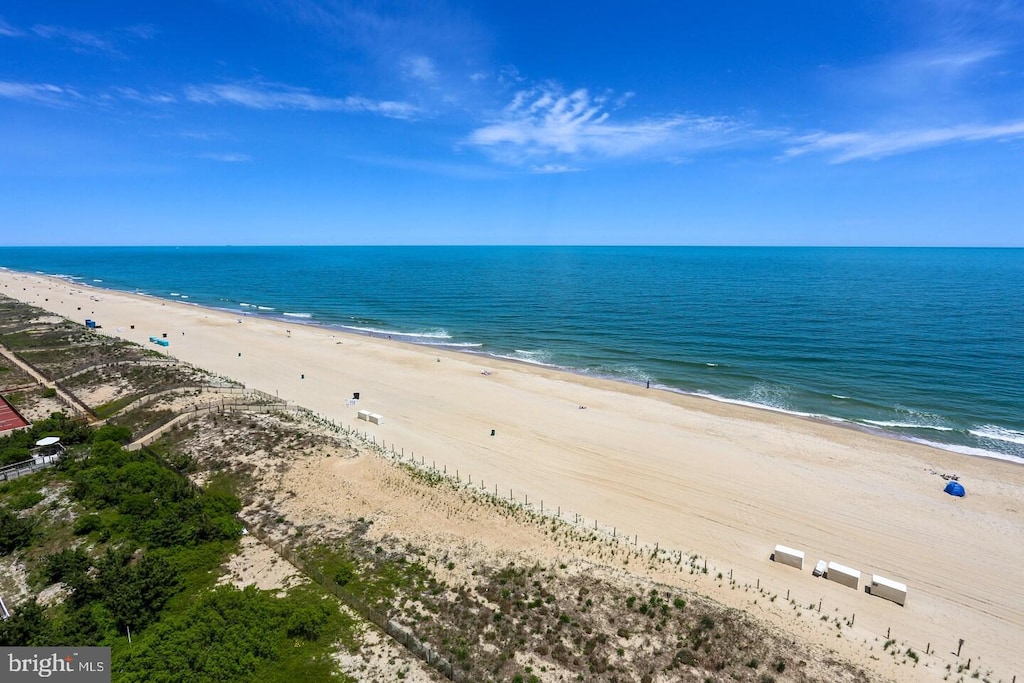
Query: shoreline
{"points": [[256, 312], [681, 472]]}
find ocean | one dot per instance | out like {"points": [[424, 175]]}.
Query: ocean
{"points": [[918, 344]]}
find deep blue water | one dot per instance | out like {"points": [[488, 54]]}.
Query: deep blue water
{"points": [[926, 344]]}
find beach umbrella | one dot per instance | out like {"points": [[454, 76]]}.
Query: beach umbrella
{"points": [[954, 488]]}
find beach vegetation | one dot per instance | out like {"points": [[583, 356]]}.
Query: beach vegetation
{"points": [[112, 432], [111, 408], [15, 531], [24, 500], [154, 546]]}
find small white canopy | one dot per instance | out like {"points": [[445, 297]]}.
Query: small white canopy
{"points": [[48, 441]]}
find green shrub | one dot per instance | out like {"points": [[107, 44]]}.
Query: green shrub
{"points": [[115, 433], [67, 565], [15, 532], [25, 499], [86, 524]]}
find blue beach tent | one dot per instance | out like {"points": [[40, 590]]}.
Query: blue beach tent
{"points": [[955, 488]]}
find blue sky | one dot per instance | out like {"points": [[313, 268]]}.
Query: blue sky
{"points": [[336, 122]]}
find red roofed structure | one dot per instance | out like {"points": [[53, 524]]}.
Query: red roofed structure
{"points": [[9, 417]]}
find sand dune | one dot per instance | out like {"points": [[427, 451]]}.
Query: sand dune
{"points": [[689, 474]]}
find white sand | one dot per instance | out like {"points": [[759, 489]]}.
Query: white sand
{"points": [[723, 481]]}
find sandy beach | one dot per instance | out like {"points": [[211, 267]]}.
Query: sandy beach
{"points": [[681, 473]]}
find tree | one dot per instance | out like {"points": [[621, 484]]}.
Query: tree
{"points": [[28, 626]]}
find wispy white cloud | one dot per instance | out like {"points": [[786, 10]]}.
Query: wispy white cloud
{"points": [[226, 157], [550, 131], [932, 77], [89, 41], [38, 93], [845, 147], [8, 30], [553, 168], [427, 54], [959, 66], [57, 95], [275, 96], [453, 169], [144, 98], [420, 68], [956, 61], [79, 40]]}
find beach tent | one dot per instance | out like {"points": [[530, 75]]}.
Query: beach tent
{"points": [[955, 488]]}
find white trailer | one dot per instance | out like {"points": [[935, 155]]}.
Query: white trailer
{"points": [[376, 419], [888, 589], [364, 415], [840, 573], [788, 556]]}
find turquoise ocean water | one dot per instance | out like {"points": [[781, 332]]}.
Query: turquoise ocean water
{"points": [[922, 344]]}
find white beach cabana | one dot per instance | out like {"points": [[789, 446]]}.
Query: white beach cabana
{"points": [[840, 573], [888, 589], [788, 556]]}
